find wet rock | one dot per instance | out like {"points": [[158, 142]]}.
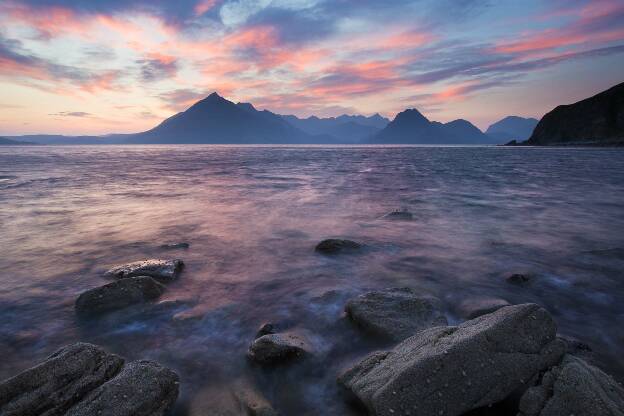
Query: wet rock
{"points": [[452, 370], [336, 246], [175, 246], [573, 387], [519, 279], [474, 307], [399, 215], [142, 388], [578, 349], [265, 329], [83, 379], [163, 270], [118, 295], [274, 348], [395, 313], [252, 402]]}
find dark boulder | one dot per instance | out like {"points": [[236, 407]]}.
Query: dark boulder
{"points": [[275, 348], [162, 270], [118, 295], [336, 246], [519, 279], [452, 370]]}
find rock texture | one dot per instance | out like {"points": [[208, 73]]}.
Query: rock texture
{"points": [[118, 295], [83, 379], [452, 370], [336, 246], [598, 120], [163, 270], [274, 348], [395, 313], [474, 307], [573, 388]]}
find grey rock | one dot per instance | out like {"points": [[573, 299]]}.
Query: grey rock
{"points": [[337, 246], [474, 307], [58, 383], [118, 295], [396, 313], [399, 215], [265, 329], [452, 370], [573, 387], [142, 388], [274, 348], [163, 270], [83, 379]]}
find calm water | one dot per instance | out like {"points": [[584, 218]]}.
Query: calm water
{"points": [[253, 215]]}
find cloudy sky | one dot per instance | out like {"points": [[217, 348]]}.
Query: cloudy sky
{"points": [[103, 66]]}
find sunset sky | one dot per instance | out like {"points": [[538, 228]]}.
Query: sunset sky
{"points": [[114, 66]]}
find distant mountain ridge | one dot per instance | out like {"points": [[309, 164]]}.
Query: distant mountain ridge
{"points": [[411, 127], [9, 142], [344, 128], [512, 128], [598, 120]]}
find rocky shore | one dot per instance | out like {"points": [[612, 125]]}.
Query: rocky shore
{"points": [[497, 353]]}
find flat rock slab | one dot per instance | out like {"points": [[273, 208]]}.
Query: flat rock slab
{"points": [[573, 387], [396, 313], [118, 295], [275, 348], [475, 307], [83, 379], [337, 246], [452, 370], [162, 270]]}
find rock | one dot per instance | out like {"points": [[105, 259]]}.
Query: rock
{"points": [[474, 307], [83, 379], [273, 348], [578, 349], [519, 279], [395, 313], [399, 216], [265, 329], [142, 388], [336, 246], [252, 402], [163, 270], [175, 246], [452, 370], [573, 387], [118, 295]]}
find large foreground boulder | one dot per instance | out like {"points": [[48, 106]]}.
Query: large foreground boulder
{"points": [[396, 313], [573, 388], [280, 347], [83, 379], [118, 295], [452, 370], [162, 270]]}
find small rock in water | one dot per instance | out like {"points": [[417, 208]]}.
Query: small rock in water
{"points": [[275, 348], [573, 387], [336, 246], [175, 246], [84, 380], [118, 295], [265, 329], [474, 307], [399, 215], [164, 270], [396, 313], [519, 279], [252, 401]]}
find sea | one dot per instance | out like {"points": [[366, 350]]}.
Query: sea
{"points": [[252, 216]]}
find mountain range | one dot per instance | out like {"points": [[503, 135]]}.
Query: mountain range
{"points": [[512, 128], [216, 120]]}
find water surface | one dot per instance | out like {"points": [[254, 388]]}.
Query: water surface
{"points": [[253, 216]]}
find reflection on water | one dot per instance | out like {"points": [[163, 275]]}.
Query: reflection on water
{"points": [[253, 215]]}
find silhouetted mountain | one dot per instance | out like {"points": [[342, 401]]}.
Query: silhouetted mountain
{"points": [[217, 120], [598, 120], [512, 128], [411, 127], [57, 139], [8, 142], [345, 129]]}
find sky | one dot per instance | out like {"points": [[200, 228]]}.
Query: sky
{"points": [[112, 66]]}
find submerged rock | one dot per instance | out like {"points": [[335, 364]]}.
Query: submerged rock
{"points": [[395, 313], [399, 215], [336, 246], [118, 295], [452, 370], [83, 379], [251, 401], [474, 307], [163, 270], [265, 329], [573, 387], [519, 279], [274, 348], [175, 246]]}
